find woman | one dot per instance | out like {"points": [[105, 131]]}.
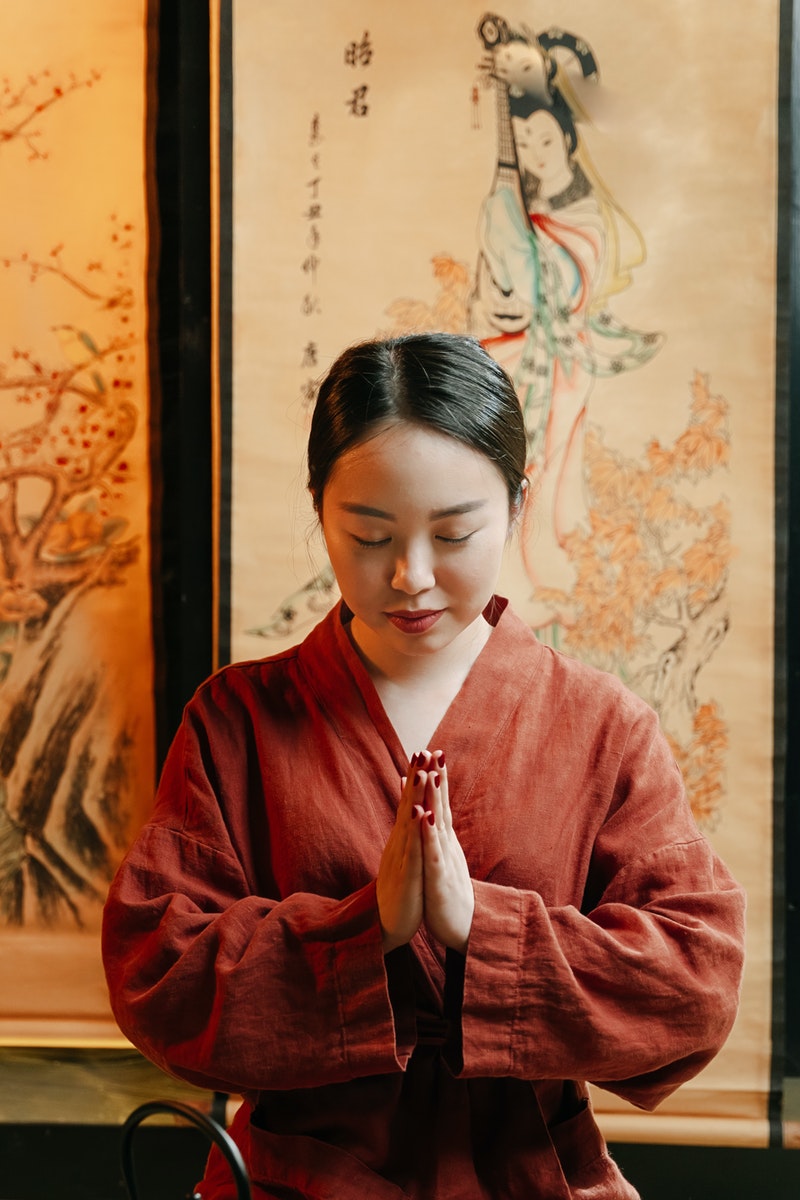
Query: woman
{"points": [[552, 254], [407, 885]]}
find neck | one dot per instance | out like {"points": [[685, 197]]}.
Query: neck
{"points": [[557, 184], [452, 662]]}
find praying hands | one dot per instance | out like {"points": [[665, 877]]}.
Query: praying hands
{"points": [[423, 874]]}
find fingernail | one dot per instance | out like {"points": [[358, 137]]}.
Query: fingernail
{"points": [[436, 779], [440, 756], [415, 813], [413, 760], [431, 818], [417, 778]]}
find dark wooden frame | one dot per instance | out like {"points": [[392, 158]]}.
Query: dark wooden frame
{"points": [[788, 518], [182, 517]]}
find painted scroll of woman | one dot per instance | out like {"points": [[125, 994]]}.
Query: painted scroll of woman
{"points": [[551, 240]]}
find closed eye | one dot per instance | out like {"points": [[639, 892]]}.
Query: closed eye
{"points": [[368, 545], [455, 541]]}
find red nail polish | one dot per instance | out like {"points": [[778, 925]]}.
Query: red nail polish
{"points": [[440, 756], [431, 818], [436, 779], [417, 778]]}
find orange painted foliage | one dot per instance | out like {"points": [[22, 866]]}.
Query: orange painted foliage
{"points": [[75, 417], [702, 763], [649, 602], [448, 311]]}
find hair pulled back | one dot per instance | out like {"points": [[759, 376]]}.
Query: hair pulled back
{"points": [[440, 381], [523, 106]]}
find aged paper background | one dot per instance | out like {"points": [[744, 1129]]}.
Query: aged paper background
{"points": [[365, 145], [76, 675]]}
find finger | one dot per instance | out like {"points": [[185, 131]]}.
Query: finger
{"points": [[437, 799], [444, 796], [431, 831], [433, 801], [439, 769], [423, 760], [412, 784], [404, 805], [439, 762], [411, 862], [438, 778]]}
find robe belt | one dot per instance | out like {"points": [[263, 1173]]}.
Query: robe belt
{"points": [[432, 1030]]}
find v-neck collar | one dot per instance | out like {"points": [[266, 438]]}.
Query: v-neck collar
{"points": [[468, 732], [500, 674]]}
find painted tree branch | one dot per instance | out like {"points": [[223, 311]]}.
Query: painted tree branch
{"points": [[25, 108]]}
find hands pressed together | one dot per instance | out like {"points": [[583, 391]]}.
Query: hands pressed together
{"points": [[423, 874]]}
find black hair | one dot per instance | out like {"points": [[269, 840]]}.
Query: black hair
{"points": [[522, 106], [440, 381]]}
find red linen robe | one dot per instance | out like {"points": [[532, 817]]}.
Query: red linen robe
{"points": [[243, 947]]}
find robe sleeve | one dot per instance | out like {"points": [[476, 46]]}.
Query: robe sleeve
{"points": [[505, 240], [636, 993], [235, 991]]}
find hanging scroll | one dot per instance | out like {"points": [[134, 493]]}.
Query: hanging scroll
{"points": [[76, 662], [565, 183]]}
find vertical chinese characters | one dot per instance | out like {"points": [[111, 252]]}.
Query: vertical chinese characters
{"points": [[310, 265], [358, 54]]}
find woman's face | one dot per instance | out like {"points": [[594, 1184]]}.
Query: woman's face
{"points": [[541, 145], [415, 524]]}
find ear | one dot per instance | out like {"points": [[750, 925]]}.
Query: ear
{"points": [[518, 506]]}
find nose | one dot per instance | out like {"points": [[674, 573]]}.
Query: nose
{"points": [[413, 571]]}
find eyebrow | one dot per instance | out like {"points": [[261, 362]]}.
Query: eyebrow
{"points": [[457, 510]]}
